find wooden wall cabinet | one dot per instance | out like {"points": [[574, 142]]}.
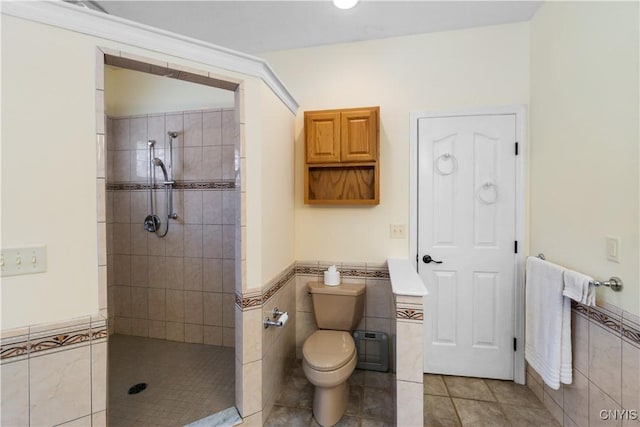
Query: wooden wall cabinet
{"points": [[342, 156]]}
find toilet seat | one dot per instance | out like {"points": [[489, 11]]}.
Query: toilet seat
{"points": [[327, 350]]}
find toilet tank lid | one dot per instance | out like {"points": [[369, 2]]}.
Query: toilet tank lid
{"points": [[347, 289]]}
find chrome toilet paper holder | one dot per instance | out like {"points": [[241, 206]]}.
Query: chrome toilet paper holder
{"points": [[279, 319]]}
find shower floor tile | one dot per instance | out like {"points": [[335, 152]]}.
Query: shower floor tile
{"points": [[185, 382]]}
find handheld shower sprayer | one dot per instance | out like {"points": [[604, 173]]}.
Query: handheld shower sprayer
{"points": [[159, 162]]}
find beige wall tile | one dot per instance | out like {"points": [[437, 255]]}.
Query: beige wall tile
{"points": [[556, 395], [212, 206], [553, 408], [193, 274], [60, 386], [605, 354], [193, 333], [157, 329], [193, 307], [102, 287], [409, 404], [212, 305], [175, 272], [535, 387], [157, 304], [228, 337], [193, 240], [251, 334], [157, 271], [212, 241], [175, 331], [251, 380], [100, 116], [599, 401], [99, 377], [303, 299], [228, 310], [123, 325], [139, 270], [630, 376], [305, 326], [101, 156], [14, 390], [212, 275], [576, 399], [99, 419], [175, 305], [140, 327], [229, 276], [580, 335], [79, 422], [410, 344], [379, 298], [139, 303], [212, 335], [253, 420]]}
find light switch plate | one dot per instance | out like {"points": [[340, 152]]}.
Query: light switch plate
{"points": [[613, 248], [26, 260]]}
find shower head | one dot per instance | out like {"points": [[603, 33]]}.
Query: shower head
{"points": [[172, 134], [158, 162]]}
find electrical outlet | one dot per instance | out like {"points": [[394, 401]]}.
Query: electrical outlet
{"points": [[397, 231], [613, 249], [27, 260]]}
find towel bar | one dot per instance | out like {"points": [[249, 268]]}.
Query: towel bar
{"points": [[615, 283]]}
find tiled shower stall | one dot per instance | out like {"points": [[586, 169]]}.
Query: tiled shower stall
{"points": [[180, 287]]}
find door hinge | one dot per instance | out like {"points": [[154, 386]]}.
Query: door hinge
{"points": [[515, 344], [515, 246], [516, 148]]}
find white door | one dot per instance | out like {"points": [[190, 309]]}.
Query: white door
{"points": [[466, 220]]}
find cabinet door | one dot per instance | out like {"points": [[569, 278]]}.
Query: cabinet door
{"points": [[359, 142], [322, 133]]}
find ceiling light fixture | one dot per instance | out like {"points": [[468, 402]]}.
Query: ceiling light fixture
{"points": [[345, 4]]}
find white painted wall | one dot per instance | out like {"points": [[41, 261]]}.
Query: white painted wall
{"points": [[49, 166], [440, 71], [129, 93], [277, 211], [585, 139], [49, 170]]}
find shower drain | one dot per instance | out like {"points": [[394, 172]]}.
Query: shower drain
{"points": [[137, 388]]}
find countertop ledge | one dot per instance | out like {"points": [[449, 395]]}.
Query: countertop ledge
{"points": [[405, 279]]}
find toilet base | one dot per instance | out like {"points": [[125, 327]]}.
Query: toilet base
{"points": [[330, 403]]}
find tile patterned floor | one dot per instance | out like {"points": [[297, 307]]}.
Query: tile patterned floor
{"points": [[371, 401], [448, 401], [461, 401], [186, 382]]}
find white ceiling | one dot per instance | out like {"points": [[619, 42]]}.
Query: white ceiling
{"points": [[262, 26]]}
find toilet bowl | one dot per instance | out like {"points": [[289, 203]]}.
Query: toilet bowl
{"points": [[329, 358], [329, 355]]}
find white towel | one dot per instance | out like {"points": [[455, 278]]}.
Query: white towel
{"points": [[548, 323], [577, 287]]}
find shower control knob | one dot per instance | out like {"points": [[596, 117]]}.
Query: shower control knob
{"points": [[427, 259]]}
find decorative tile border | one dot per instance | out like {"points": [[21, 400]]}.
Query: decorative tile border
{"points": [[614, 323], [179, 185], [378, 273], [60, 340], [14, 347], [52, 339], [255, 301], [406, 313]]}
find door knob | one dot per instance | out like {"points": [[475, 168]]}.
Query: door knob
{"points": [[427, 259]]}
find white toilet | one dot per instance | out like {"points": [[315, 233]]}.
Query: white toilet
{"points": [[329, 355]]}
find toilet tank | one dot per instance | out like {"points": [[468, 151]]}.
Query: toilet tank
{"points": [[338, 308]]}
